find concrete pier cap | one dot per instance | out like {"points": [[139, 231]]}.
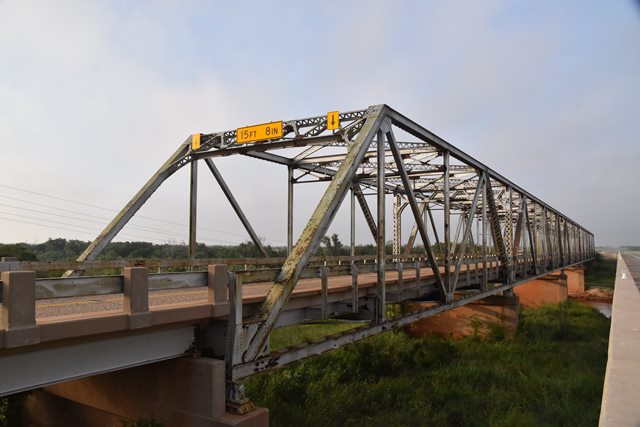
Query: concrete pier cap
{"points": [[550, 289], [575, 279]]}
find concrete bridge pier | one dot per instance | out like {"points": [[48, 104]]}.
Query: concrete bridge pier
{"points": [[550, 289], [575, 279], [186, 392]]}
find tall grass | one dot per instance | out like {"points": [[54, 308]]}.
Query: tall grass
{"points": [[601, 271], [551, 373]]}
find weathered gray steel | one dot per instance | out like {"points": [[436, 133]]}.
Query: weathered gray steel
{"points": [[236, 207], [427, 174], [379, 312], [175, 162], [315, 229], [416, 213], [193, 210]]}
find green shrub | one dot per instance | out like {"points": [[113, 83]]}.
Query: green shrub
{"points": [[551, 373]]}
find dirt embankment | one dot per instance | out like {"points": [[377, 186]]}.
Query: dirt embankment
{"points": [[595, 294]]}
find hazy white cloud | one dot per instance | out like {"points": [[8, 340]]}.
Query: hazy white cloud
{"points": [[94, 96]]}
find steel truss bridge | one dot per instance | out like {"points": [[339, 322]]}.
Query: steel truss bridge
{"points": [[481, 235]]}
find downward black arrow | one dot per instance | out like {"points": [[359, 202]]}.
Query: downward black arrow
{"points": [[333, 120]]}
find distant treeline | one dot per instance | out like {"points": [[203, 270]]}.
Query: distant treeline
{"points": [[67, 250]]}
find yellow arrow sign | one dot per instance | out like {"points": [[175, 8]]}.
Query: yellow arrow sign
{"points": [[333, 120], [195, 141]]}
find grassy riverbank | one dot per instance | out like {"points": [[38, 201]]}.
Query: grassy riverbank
{"points": [[551, 373], [601, 271]]}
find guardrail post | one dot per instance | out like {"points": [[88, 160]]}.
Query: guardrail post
{"points": [[417, 266], [19, 308], [218, 278], [136, 296], [354, 288], [477, 273], [400, 268], [468, 265], [325, 292]]}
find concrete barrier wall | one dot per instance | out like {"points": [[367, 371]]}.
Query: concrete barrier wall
{"points": [[621, 394]]}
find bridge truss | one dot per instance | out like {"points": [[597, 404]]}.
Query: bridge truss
{"points": [[456, 205]]}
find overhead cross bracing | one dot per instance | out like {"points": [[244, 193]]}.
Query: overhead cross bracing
{"points": [[456, 204]]}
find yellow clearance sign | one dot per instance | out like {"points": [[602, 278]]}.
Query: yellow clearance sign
{"points": [[261, 132]]}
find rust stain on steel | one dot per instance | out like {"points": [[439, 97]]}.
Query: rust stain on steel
{"points": [[318, 223], [303, 244]]}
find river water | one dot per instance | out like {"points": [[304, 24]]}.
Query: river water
{"points": [[603, 307]]}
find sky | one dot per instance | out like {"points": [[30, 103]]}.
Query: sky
{"points": [[95, 96]]}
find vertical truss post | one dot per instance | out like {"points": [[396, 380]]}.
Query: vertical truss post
{"points": [[289, 209], [530, 235], [548, 251], [496, 235], [533, 236], [397, 225], [324, 283], [568, 243], [354, 287], [485, 267], [380, 241], [352, 252], [559, 237], [508, 224], [236, 400], [417, 267], [236, 207], [416, 211], [193, 211], [517, 240], [467, 231], [352, 226], [447, 225]]}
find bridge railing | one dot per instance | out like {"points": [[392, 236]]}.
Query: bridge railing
{"points": [[262, 270]]}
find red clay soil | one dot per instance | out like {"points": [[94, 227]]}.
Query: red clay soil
{"points": [[595, 294]]}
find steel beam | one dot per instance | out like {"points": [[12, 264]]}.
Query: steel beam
{"points": [[417, 215], [193, 210], [289, 209], [379, 312], [236, 207], [414, 231], [368, 216], [307, 243], [447, 226], [467, 230], [175, 162], [496, 235]]}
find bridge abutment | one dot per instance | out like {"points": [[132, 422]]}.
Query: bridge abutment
{"points": [[469, 319], [179, 392], [550, 289]]}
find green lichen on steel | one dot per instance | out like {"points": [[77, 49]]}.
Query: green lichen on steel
{"points": [[318, 223]]}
